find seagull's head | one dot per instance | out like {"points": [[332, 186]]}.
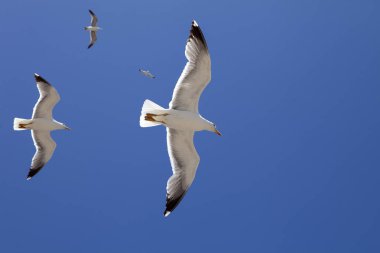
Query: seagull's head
{"points": [[212, 128]]}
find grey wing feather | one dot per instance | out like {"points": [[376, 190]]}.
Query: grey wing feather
{"points": [[93, 38], [196, 74], [94, 19], [45, 147], [184, 160], [49, 97]]}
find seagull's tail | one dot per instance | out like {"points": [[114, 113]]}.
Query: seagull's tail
{"points": [[147, 113], [19, 124]]}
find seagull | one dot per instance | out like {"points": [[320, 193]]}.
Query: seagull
{"points": [[147, 73], [92, 28], [41, 124], [182, 118]]}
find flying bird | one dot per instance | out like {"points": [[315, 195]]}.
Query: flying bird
{"points": [[92, 28], [41, 124], [147, 73], [182, 118]]}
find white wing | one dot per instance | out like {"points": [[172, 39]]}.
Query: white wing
{"points": [[45, 147], [94, 19], [196, 74], [184, 160], [93, 38], [49, 97]]}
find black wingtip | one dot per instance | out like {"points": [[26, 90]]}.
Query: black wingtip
{"points": [[196, 32], [89, 46], [39, 79], [166, 213], [32, 173], [172, 203], [91, 12]]}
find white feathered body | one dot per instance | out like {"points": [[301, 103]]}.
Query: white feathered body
{"points": [[92, 28], [176, 119], [37, 124], [185, 120]]}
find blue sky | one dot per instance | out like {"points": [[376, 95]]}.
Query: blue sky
{"points": [[295, 92]]}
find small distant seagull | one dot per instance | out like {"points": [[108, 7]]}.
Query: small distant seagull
{"points": [[182, 118], [41, 124], [92, 28], [147, 73]]}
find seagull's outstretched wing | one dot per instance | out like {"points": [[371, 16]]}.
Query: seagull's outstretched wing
{"points": [[92, 38], [196, 74], [184, 160], [150, 75], [49, 97], [45, 147], [147, 73], [94, 19]]}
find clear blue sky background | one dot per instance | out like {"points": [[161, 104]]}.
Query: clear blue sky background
{"points": [[295, 91]]}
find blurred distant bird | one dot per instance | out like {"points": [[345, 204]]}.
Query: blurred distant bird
{"points": [[182, 118], [92, 28], [147, 73], [41, 124]]}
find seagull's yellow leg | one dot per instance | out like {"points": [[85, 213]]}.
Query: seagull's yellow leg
{"points": [[23, 125], [149, 117]]}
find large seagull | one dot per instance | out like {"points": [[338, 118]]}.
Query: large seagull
{"points": [[92, 28], [182, 118], [41, 124]]}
